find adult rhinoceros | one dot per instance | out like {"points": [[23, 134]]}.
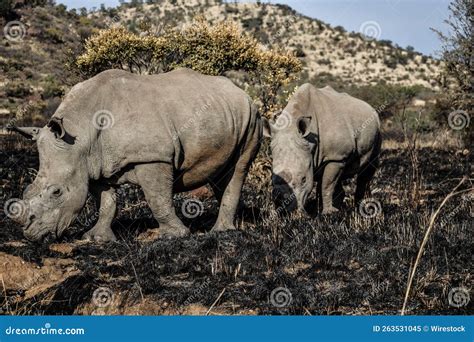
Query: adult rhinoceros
{"points": [[170, 132], [322, 135]]}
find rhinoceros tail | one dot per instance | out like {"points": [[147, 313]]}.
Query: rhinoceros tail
{"points": [[257, 118], [375, 157]]}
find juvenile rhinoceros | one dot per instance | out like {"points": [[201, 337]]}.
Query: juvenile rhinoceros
{"points": [[167, 133], [325, 136]]}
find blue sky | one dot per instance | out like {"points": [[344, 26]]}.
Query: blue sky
{"points": [[405, 22]]}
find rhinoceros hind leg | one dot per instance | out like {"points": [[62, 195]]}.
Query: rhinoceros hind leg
{"points": [[227, 192], [367, 172], [156, 181], [102, 231], [339, 195], [231, 194], [363, 181], [331, 177], [219, 185]]}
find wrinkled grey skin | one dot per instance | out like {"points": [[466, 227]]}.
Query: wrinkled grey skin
{"points": [[171, 132], [322, 136]]}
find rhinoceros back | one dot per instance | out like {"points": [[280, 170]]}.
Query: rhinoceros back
{"points": [[345, 125], [182, 117]]}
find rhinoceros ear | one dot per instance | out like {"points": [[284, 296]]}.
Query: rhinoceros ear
{"points": [[303, 125], [56, 126], [28, 132]]}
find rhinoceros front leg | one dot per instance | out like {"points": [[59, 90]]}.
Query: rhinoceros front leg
{"points": [[156, 181], [330, 179], [102, 230]]}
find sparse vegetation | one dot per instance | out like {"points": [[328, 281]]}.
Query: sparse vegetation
{"points": [[458, 57], [458, 53], [17, 89], [51, 88]]}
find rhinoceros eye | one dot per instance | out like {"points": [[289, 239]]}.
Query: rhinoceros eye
{"points": [[55, 191]]}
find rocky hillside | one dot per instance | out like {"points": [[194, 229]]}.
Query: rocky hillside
{"points": [[34, 76], [324, 50]]}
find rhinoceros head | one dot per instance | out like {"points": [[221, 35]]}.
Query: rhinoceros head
{"points": [[292, 146], [59, 191]]}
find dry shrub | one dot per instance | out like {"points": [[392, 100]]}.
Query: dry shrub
{"points": [[212, 50]]}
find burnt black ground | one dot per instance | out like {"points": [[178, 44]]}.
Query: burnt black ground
{"points": [[341, 264]]}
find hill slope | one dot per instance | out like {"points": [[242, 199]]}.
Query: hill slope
{"points": [[34, 76], [323, 49]]}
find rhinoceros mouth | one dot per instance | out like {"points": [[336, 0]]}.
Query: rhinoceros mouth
{"points": [[34, 234]]}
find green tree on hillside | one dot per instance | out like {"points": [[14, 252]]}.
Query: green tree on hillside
{"points": [[8, 7], [457, 52], [458, 75]]}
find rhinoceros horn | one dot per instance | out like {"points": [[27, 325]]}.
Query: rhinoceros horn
{"points": [[28, 132]]}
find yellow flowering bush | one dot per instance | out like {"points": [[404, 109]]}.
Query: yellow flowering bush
{"points": [[210, 49]]}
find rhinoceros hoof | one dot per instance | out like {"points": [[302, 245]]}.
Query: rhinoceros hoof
{"points": [[329, 211], [173, 232], [98, 236], [223, 228]]}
